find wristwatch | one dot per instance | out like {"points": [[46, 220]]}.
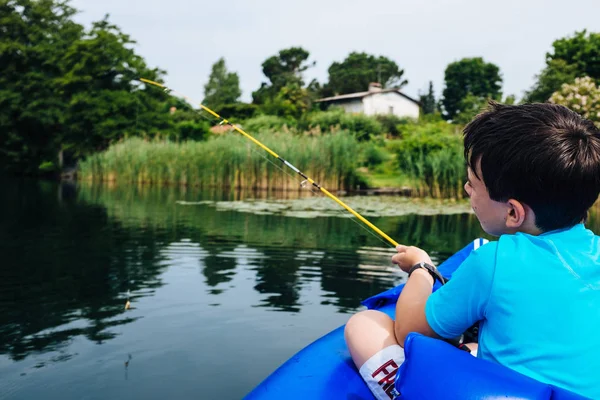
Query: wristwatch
{"points": [[433, 271]]}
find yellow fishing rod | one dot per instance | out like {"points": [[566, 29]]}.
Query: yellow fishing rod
{"points": [[223, 121]]}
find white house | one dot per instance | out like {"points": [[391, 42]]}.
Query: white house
{"points": [[376, 101]]}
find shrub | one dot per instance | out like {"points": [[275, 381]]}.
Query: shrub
{"points": [[192, 130], [238, 111], [372, 155], [390, 123], [263, 123], [360, 125], [581, 96]]}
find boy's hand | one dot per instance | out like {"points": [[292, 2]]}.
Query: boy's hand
{"points": [[410, 255]]}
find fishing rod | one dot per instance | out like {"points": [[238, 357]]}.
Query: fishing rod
{"points": [[223, 121]]}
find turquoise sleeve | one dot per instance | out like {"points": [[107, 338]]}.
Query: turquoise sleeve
{"points": [[461, 302]]}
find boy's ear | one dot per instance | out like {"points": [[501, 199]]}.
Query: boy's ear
{"points": [[517, 214]]}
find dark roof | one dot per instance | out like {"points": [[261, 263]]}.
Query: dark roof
{"points": [[360, 95]]}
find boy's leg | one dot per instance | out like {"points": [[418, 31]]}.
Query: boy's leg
{"points": [[372, 343]]}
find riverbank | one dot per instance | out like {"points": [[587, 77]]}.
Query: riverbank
{"points": [[423, 162], [229, 161]]}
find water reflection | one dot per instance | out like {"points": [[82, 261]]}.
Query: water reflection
{"points": [[286, 255], [65, 269], [72, 255]]}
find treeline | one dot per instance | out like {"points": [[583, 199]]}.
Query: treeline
{"points": [[67, 92], [572, 67]]}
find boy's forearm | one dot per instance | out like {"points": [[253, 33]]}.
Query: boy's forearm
{"points": [[410, 308]]}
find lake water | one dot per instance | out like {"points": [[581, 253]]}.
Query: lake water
{"points": [[223, 288]]}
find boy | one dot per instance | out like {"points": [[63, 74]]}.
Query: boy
{"points": [[533, 173]]}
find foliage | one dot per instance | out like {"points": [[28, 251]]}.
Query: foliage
{"points": [[431, 154], [283, 69], [228, 161], [67, 89], [371, 155], [469, 76], [362, 126], [390, 123], [550, 79], [291, 101], [358, 70], [572, 57], [469, 107], [428, 104], [511, 99], [234, 111], [223, 87], [267, 123], [191, 130], [582, 96], [185, 122]]}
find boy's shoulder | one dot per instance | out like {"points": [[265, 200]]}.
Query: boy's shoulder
{"points": [[522, 245]]}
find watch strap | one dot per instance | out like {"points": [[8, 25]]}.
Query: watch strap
{"points": [[433, 271]]}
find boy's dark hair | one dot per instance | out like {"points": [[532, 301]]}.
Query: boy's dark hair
{"points": [[543, 155]]}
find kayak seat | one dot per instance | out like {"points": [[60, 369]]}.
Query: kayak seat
{"points": [[464, 377]]}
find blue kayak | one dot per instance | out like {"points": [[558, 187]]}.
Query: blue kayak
{"points": [[433, 369]]}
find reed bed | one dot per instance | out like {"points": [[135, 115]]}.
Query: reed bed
{"points": [[435, 164], [440, 174], [229, 161]]}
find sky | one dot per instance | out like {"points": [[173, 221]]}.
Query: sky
{"points": [[186, 37]]}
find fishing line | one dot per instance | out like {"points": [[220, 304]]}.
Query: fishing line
{"points": [[224, 121]]}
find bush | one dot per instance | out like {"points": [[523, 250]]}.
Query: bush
{"points": [[192, 130], [360, 125], [581, 96], [235, 111], [372, 155], [390, 123], [270, 123]]}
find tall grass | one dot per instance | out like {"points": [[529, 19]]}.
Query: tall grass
{"points": [[229, 161], [432, 156]]}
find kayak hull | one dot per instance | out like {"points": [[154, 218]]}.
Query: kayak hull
{"points": [[324, 369]]}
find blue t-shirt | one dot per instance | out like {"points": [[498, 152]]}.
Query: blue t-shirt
{"points": [[538, 300]]}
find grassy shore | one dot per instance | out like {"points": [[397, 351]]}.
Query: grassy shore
{"points": [[230, 161], [422, 158]]}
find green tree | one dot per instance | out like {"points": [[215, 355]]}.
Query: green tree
{"points": [[572, 57], [223, 87], [292, 101], [469, 76], [428, 100], [34, 34], [104, 101], [283, 69], [65, 89], [358, 70]]}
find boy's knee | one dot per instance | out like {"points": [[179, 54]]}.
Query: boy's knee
{"points": [[363, 322]]}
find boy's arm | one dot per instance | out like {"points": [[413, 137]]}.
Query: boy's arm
{"points": [[410, 308], [455, 306]]}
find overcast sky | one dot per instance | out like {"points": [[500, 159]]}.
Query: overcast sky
{"points": [[186, 37]]}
